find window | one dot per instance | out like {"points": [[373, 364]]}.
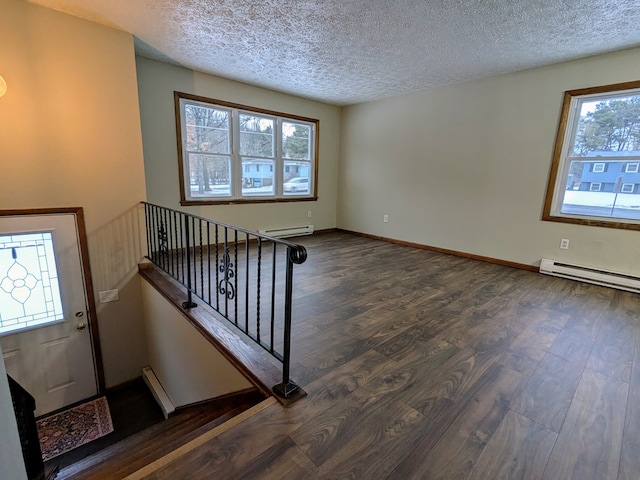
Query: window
{"points": [[232, 153], [29, 288], [596, 157]]}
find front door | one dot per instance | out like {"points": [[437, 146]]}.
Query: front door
{"points": [[44, 324]]}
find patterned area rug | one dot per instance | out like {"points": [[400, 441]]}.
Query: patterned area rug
{"points": [[74, 427]]}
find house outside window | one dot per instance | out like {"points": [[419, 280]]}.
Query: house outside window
{"points": [[595, 166], [232, 153]]}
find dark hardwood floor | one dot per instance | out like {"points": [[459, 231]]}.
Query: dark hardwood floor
{"points": [[430, 366], [141, 434], [132, 408]]}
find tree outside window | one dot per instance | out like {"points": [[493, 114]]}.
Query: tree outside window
{"points": [[230, 153]]}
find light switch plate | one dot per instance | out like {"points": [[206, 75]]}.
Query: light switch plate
{"points": [[107, 296]]}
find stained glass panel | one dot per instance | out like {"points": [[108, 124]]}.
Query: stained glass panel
{"points": [[29, 288]]}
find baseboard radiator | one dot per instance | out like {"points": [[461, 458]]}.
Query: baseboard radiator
{"points": [[288, 231], [157, 391], [596, 276]]}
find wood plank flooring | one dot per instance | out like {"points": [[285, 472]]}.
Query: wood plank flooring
{"points": [[429, 366], [142, 435]]}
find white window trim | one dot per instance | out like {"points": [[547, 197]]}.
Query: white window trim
{"points": [[593, 189], [627, 168], [236, 169], [598, 167], [628, 186]]}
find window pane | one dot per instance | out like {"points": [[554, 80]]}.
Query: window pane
{"points": [[209, 175], [207, 129], [296, 141], [29, 288], [257, 177], [601, 192], [608, 125], [256, 136], [297, 178]]}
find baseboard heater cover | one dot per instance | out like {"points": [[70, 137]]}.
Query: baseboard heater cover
{"points": [[596, 276], [157, 391], [288, 231]]}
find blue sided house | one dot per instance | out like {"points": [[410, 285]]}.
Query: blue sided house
{"points": [[611, 172]]}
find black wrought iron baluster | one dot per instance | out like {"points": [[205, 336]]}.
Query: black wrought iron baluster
{"points": [[147, 217], [273, 296], [235, 277], [227, 268], [174, 245], [151, 231], [189, 303], [217, 277], [209, 262], [194, 282], [169, 255], [201, 260], [162, 240], [156, 246], [246, 289], [258, 280], [225, 271]]}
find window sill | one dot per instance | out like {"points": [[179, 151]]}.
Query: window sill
{"points": [[210, 201], [591, 222]]}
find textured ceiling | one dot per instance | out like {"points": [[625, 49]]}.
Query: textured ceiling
{"points": [[347, 51]]}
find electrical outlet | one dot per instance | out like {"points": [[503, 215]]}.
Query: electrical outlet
{"points": [[385, 218], [564, 244], [309, 214]]}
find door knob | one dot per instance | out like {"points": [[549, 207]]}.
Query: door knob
{"points": [[81, 326]]}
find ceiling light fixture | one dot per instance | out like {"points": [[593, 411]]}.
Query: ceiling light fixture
{"points": [[3, 86]]}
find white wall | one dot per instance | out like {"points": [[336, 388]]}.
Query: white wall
{"points": [[70, 137], [189, 368], [465, 167], [157, 82], [11, 461]]}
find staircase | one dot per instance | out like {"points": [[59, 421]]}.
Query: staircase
{"points": [[138, 450]]}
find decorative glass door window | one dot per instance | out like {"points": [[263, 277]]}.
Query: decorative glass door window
{"points": [[29, 287]]}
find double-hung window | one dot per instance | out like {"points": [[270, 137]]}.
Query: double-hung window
{"points": [[231, 153], [595, 171]]}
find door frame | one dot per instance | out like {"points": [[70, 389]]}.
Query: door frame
{"points": [[78, 214]]}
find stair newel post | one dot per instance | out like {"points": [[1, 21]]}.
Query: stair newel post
{"points": [[189, 303], [287, 387]]}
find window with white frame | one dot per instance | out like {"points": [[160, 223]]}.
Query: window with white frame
{"points": [[232, 153], [627, 188], [597, 144]]}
